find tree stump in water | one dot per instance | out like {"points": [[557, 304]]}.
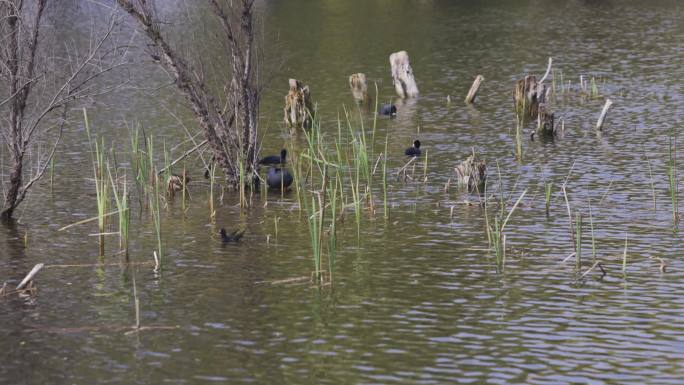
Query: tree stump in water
{"points": [[472, 173], [359, 88], [298, 107], [528, 95], [402, 75]]}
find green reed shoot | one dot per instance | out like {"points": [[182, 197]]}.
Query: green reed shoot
{"points": [[548, 188], [101, 185], [139, 165], [578, 240], [594, 88], [121, 199], [316, 220], [497, 234], [154, 199]]}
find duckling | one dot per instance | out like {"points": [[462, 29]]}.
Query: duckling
{"points": [[235, 236], [415, 150], [177, 183], [274, 159], [278, 178], [388, 109]]}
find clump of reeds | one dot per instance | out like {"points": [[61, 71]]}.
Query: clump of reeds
{"points": [[121, 199], [101, 185], [496, 234]]}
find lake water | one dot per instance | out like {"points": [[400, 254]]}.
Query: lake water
{"points": [[416, 298]]}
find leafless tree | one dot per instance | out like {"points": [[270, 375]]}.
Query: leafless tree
{"points": [[36, 87], [227, 115]]}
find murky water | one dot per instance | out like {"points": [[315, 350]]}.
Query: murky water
{"points": [[416, 298]]}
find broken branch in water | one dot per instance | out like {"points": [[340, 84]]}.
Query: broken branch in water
{"points": [[29, 276], [472, 93], [185, 155], [604, 112]]}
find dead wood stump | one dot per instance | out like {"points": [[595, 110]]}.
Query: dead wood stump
{"points": [[472, 173], [359, 88], [298, 107], [528, 95], [402, 75]]}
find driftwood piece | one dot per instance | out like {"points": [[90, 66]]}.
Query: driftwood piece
{"points": [[472, 93], [359, 87], [472, 173], [29, 276], [604, 112], [402, 75], [298, 106]]}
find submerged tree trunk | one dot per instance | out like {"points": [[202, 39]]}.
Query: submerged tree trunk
{"points": [[402, 75], [230, 129]]}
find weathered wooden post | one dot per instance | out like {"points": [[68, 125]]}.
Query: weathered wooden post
{"points": [[298, 107], [359, 87], [472, 93], [402, 75], [604, 112]]}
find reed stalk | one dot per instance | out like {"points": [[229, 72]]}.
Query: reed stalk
{"points": [[672, 177], [624, 258], [384, 179], [101, 185], [153, 196], [121, 200], [578, 240]]}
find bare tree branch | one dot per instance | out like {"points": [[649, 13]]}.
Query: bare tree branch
{"points": [[34, 91]]}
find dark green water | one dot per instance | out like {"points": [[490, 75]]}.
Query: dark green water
{"points": [[416, 299]]}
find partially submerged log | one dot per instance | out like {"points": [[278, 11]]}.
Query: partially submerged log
{"points": [[472, 173], [472, 93], [359, 88], [402, 75], [298, 107], [604, 112]]}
